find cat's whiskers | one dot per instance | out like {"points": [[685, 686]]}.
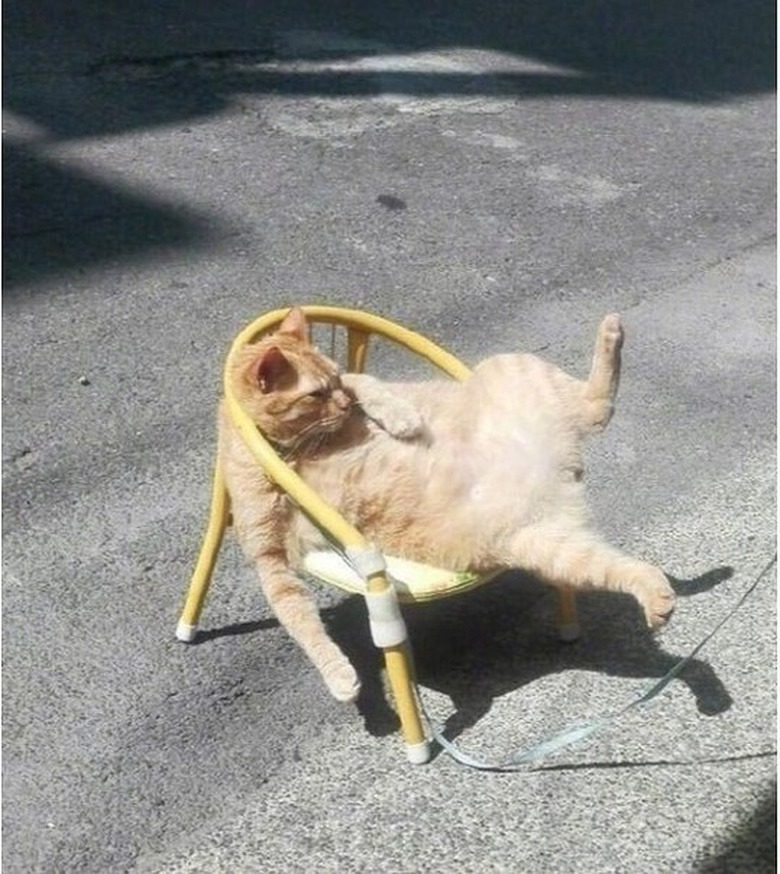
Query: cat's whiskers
{"points": [[312, 437]]}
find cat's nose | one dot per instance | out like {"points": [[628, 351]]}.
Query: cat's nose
{"points": [[341, 399]]}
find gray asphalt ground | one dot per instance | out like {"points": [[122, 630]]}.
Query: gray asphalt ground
{"points": [[497, 178]]}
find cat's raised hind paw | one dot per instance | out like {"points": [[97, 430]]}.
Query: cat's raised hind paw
{"points": [[611, 334]]}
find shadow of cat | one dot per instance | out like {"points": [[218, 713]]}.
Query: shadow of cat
{"points": [[484, 644]]}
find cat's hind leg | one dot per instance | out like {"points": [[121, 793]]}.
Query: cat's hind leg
{"points": [[602, 385], [579, 559]]}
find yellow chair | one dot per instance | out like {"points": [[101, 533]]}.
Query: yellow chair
{"points": [[358, 567]]}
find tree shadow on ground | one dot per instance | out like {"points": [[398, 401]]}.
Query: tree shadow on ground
{"points": [[58, 220], [145, 65], [90, 70]]}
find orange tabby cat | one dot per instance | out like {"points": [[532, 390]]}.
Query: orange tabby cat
{"points": [[480, 475]]}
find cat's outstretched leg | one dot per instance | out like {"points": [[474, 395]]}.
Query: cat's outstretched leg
{"points": [[580, 560], [602, 385], [261, 524], [294, 607]]}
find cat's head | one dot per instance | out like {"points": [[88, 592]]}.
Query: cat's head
{"points": [[289, 388]]}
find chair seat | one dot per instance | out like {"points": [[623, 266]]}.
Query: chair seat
{"points": [[412, 580]]}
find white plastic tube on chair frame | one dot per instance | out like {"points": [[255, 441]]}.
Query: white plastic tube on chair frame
{"points": [[384, 613], [384, 618]]}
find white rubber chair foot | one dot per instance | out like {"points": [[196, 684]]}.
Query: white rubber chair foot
{"points": [[185, 632], [569, 632], [418, 754]]}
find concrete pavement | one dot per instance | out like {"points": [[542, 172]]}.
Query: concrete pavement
{"points": [[497, 182]]}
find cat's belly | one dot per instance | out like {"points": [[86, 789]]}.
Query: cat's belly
{"points": [[498, 481], [450, 504]]}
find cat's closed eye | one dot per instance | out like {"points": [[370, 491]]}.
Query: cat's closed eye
{"points": [[320, 394]]}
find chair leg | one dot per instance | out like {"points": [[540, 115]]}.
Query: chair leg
{"points": [[357, 349], [399, 673], [219, 519], [568, 624], [388, 631]]}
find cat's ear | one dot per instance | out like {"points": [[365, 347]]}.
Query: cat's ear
{"points": [[295, 323], [271, 369]]}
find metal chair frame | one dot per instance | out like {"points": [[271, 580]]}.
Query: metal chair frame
{"points": [[360, 326]]}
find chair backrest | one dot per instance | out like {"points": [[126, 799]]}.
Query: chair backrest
{"points": [[359, 326]]}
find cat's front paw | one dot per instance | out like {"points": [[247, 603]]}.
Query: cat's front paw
{"points": [[403, 422], [341, 680], [397, 418]]}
